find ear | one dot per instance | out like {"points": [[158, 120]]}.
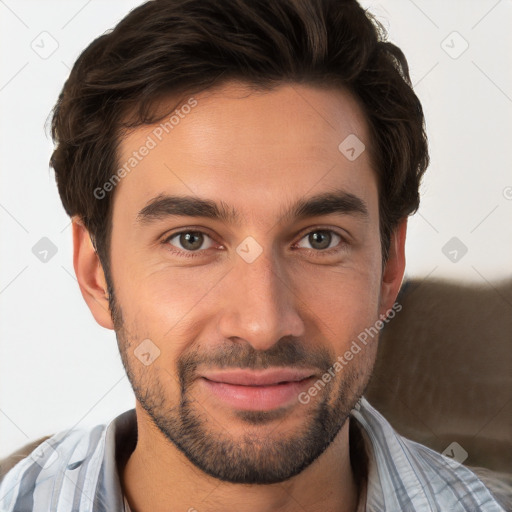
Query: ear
{"points": [[89, 273], [394, 269]]}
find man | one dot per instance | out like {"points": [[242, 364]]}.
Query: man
{"points": [[239, 175]]}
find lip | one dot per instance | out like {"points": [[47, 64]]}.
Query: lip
{"points": [[257, 391], [243, 377]]}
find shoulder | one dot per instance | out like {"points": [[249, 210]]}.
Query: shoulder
{"points": [[42, 462], [499, 483], [411, 475], [7, 463]]}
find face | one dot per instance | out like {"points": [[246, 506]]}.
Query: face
{"points": [[230, 312]]}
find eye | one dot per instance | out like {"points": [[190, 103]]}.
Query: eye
{"points": [[321, 240], [189, 241], [192, 243]]}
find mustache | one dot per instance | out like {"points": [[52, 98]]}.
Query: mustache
{"points": [[288, 352]]}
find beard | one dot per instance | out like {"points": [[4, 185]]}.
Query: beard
{"points": [[258, 456]]}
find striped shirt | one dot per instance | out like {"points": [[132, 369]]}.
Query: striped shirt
{"points": [[77, 470]]}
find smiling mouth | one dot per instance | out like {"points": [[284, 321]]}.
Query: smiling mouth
{"points": [[263, 390], [242, 377]]}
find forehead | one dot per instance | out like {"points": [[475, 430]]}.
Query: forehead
{"points": [[243, 147]]}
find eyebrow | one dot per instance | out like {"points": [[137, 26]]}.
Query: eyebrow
{"points": [[337, 202]]}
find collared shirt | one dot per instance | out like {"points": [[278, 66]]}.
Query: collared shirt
{"points": [[77, 471]]}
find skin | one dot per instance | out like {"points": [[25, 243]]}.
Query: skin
{"points": [[258, 152]]}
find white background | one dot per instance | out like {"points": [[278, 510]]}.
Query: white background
{"points": [[58, 368]]}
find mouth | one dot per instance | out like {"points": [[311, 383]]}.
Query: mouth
{"points": [[257, 390]]}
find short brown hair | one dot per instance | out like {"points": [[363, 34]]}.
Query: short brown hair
{"points": [[183, 47]]}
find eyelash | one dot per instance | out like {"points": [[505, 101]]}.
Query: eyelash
{"points": [[195, 254]]}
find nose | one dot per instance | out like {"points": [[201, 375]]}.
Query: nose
{"points": [[259, 304]]}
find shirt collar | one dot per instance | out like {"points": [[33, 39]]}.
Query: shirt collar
{"points": [[120, 442]]}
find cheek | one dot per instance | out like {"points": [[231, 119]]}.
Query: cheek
{"points": [[168, 306], [158, 291], [345, 298], [347, 319]]}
